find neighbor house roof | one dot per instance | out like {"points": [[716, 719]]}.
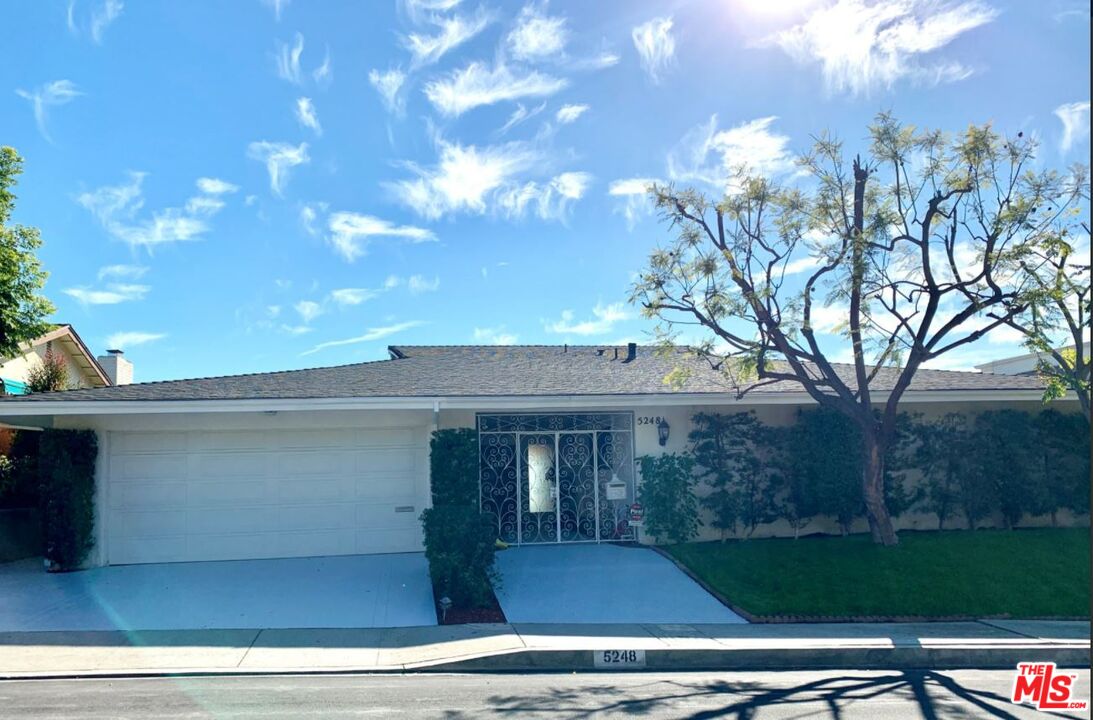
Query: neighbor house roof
{"points": [[415, 371], [67, 337]]}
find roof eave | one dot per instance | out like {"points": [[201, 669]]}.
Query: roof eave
{"points": [[142, 407]]}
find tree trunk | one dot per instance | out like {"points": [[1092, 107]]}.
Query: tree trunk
{"points": [[876, 511]]}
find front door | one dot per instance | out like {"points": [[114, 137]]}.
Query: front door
{"points": [[557, 478]]}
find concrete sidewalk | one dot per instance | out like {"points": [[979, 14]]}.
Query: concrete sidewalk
{"points": [[520, 647]]}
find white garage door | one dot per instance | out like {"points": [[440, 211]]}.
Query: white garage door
{"points": [[184, 496]]}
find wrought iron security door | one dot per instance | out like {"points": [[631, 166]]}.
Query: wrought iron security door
{"points": [[557, 478]]}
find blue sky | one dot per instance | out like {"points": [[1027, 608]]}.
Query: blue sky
{"points": [[253, 185]]}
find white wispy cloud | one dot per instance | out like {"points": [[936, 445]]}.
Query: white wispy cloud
{"points": [[569, 113], [123, 340], [709, 155], [346, 297], [369, 336], [100, 16], [388, 84], [308, 310], [537, 35], [279, 158], [463, 178], [53, 94], [418, 284], [423, 10], [215, 186], [324, 74], [307, 116], [604, 318], [309, 213], [451, 32], [117, 207], [550, 200], [277, 6], [477, 85], [495, 336], [802, 264], [351, 232], [288, 59], [861, 45], [127, 272], [521, 114], [1075, 119], [111, 294], [633, 194], [655, 45]]}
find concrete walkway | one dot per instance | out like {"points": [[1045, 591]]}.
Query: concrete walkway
{"points": [[984, 644], [328, 592], [589, 583]]}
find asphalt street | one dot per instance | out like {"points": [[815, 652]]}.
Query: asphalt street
{"points": [[835, 694]]}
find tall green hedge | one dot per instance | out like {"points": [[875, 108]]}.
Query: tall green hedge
{"points": [[453, 467], [459, 539], [66, 471]]}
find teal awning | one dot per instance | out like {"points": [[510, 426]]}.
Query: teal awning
{"points": [[14, 387]]}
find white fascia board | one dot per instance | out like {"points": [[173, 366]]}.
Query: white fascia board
{"points": [[142, 407]]}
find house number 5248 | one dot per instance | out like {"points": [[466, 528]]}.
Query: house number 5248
{"points": [[650, 420]]}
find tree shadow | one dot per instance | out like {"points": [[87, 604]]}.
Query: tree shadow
{"points": [[935, 696]]}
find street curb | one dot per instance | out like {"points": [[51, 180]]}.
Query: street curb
{"points": [[667, 660]]}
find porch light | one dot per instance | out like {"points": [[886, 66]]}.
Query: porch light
{"points": [[662, 431]]}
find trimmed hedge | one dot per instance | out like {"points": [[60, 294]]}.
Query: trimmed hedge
{"points": [[459, 545], [453, 467], [66, 472], [459, 539]]}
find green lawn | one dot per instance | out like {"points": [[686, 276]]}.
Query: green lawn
{"points": [[1020, 573]]}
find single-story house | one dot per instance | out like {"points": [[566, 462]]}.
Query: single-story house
{"points": [[334, 460]]}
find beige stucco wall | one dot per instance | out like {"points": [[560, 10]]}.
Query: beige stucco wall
{"points": [[646, 442]]}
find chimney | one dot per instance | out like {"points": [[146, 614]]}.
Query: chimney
{"points": [[118, 369], [631, 352]]}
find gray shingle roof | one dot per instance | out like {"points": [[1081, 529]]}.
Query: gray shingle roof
{"points": [[532, 370]]}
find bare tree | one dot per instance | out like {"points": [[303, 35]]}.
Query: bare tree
{"points": [[911, 253]]}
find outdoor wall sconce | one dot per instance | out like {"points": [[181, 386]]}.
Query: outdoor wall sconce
{"points": [[662, 431]]}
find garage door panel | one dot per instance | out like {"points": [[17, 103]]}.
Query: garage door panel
{"points": [[137, 442], [232, 520], [382, 486], [303, 463], [389, 516], [315, 517], [151, 467], [317, 489], [148, 495], [218, 493], [241, 494], [389, 437], [308, 544], [150, 523], [386, 461], [164, 549], [213, 466]]}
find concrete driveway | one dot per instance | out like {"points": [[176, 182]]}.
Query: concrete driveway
{"points": [[579, 583], [358, 591]]}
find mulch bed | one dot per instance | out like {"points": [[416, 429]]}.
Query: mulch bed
{"points": [[463, 616]]}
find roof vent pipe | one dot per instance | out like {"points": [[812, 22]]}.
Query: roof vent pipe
{"points": [[631, 352], [616, 353]]}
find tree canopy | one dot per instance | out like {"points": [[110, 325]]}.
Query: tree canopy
{"points": [[913, 249], [23, 309]]}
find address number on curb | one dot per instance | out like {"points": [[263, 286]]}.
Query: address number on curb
{"points": [[619, 658]]}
